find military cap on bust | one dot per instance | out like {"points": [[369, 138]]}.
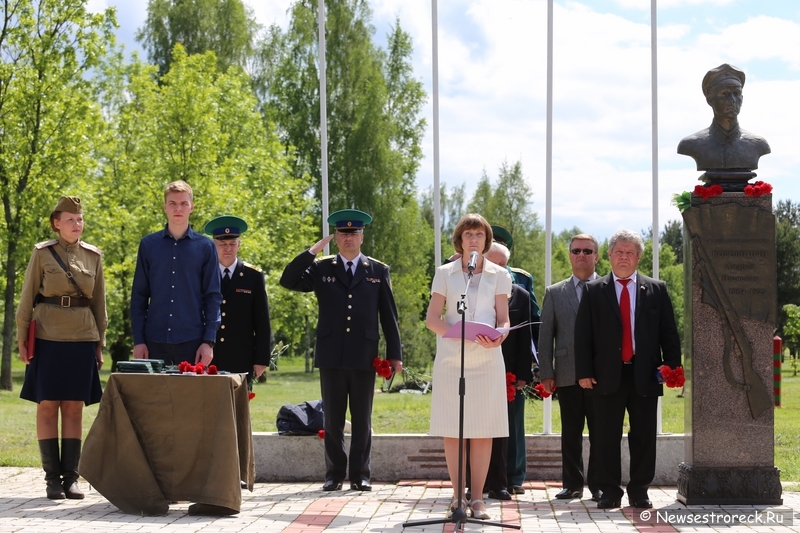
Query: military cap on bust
{"points": [[225, 227], [503, 236], [349, 220], [66, 204], [724, 72]]}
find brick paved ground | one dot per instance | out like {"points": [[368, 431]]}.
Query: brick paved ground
{"points": [[303, 507]]}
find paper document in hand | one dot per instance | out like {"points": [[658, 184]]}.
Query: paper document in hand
{"points": [[473, 329]]}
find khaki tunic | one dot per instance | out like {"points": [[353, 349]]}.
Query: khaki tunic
{"points": [[46, 277]]}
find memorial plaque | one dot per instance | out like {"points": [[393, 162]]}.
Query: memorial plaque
{"points": [[739, 242]]}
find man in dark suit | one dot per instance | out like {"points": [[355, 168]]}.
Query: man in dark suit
{"points": [[624, 333], [243, 337], [518, 358], [354, 293], [557, 368]]}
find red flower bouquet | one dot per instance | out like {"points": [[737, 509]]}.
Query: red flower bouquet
{"points": [[212, 370], [321, 433], [251, 395], [673, 378], [759, 188], [539, 388], [383, 367], [707, 192], [511, 388]]}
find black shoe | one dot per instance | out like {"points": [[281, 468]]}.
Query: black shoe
{"points": [[608, 503], [501, 494], [363, 486], [641, 503], [206, 509], [596, 495], [516, 489], [569, 494], [332, 485], [468, 495], [243, 485]]}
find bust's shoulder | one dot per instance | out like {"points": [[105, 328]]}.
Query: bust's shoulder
{"points": [[690, 143]]}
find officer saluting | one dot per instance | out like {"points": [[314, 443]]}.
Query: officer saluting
{"points": [[353, 293], [243, 337]]}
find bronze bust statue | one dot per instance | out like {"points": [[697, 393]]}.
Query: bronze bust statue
{"points": [[724, 145]]}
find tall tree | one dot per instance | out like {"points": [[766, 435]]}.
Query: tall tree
{"points": [[374, 132], [48, 122], [673, 235], [197, 124], [787, 240], [225, 27]]}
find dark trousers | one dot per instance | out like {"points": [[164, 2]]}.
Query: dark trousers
{"points": [[172, 354], [609, 414], [517, 460], [338, 385], [496, 477], [576, 406]]}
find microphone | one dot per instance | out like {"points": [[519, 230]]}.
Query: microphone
{"points": [[473, 261]]}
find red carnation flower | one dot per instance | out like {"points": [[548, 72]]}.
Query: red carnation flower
{"points": [[383, 367], [251, 395], [707, 192], [759, 188], [539, 388], [199, 368], [212, 370], [511, 378], [511, 393], [321, 433], [673, 378], [182, 366]]}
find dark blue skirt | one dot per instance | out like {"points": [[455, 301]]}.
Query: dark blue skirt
{"points": [[62, 371]]}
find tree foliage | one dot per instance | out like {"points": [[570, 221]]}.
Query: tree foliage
{"points": [[787, 240], [49, 121], [225, 27]]}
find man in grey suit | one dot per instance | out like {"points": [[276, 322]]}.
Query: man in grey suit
{"points": [[557, 367]]}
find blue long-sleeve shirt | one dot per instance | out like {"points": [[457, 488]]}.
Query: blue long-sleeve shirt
{"points": [[176, 289]]}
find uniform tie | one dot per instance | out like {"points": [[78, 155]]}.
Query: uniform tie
{"points": [[226, 279], [350, 271], [581, 288], [625, 313]]}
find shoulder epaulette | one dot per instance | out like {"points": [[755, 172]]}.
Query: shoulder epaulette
{"points": [[254, 267], [324, 257], [91, 248], [521, 271], [45, 244], [377, 261]]}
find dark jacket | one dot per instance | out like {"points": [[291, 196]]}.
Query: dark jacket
{"points": [[243, 337], [598, 335], [517, 352], [347, 328]]}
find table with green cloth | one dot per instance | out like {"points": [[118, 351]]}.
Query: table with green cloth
{"points": [[161, 438]]}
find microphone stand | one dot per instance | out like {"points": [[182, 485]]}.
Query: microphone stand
{"points": [[459, 515]]}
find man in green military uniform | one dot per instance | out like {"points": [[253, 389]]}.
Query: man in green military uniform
{"points": [[354, 294], [243, 337]]}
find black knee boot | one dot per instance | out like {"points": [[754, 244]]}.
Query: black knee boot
{"points": [[48, 448], [70, 455]]}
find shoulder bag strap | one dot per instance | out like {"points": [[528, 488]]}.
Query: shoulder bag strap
{"points": [[67, 271]]}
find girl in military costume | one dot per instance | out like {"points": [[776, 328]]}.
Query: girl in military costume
{"points": [[63, 371]]}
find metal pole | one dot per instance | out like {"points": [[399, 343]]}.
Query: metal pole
{"points": [[323, 120], [547, 414], [437, 209], [654, 140]]}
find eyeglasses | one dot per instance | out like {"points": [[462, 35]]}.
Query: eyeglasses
{"points": [[577, 251]]}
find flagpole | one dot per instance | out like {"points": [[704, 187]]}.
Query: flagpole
{"points": [[323, 120], [547, 414], [437, 220]]}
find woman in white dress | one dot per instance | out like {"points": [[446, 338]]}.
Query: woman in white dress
{"points": [[485, 401]]}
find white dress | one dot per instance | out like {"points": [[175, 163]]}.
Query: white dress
{"points": [[485, 400]]}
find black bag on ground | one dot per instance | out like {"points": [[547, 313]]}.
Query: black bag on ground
{"points": [[306, 418]]}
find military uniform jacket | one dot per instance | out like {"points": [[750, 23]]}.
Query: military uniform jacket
{"points": [[347, 329], [243, 337], [517, 351], [46, 277]]}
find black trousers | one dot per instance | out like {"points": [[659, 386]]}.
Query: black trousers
{"points": [[576, 407], [496, 477], [609, 412], [338, 386], [172, 354]]}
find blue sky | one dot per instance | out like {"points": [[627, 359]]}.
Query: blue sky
{"points": [[492, 79]]}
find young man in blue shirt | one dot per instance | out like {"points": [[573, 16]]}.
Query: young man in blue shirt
{"points": [[176, 295]]}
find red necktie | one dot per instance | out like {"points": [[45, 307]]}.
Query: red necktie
{"points": [[625, 313]]}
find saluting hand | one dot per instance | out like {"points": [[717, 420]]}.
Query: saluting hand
{"points": [[320, 245]]}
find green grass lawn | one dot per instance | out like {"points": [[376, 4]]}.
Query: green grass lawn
{"points": [[392, 413]]}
